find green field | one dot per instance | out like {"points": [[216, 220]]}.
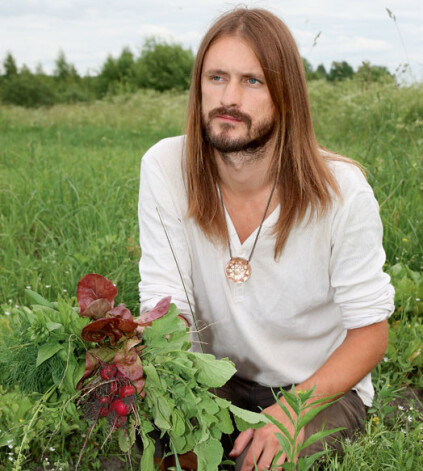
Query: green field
{"points": [[69, 180]]}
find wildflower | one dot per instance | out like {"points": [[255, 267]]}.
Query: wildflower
{"points": [[376, 420], [10, 301], [10, 446], [7, 313], [20, 420], [401, 407], [409, 418], [48, 286], [28, 287], [386, 359], [404, 239], [10, 458], [65, 290], [52, 448]]}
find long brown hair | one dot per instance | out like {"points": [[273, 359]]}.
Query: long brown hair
{"points": [[303, 179]]}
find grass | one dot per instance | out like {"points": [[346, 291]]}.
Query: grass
{"points": [[68, 197]]}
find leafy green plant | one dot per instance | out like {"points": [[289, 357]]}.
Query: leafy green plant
{"points": [[305, 407]]}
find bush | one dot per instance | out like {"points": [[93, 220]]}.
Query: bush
{"points": [[163, 66], [27, 90]]}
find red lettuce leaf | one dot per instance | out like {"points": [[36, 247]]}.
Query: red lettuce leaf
{"points": [[121, 311], [91, 365], [92, 287], [159, 310], [129, 364], [97, 309], [98, 330]]}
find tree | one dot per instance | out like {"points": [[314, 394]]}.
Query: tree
{"points": [[9, 65], [374, 73], [321, 72], [340, 71], [163, 66], [64, 71]]}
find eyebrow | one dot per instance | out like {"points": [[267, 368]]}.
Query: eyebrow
{"points": [[259, 76]]}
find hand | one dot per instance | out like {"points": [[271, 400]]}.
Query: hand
{"points": [[264, 444]]}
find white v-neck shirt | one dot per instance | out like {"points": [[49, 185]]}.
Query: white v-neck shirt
{"points": [[282, 324]]}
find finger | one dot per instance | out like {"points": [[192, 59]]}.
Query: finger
{"points": [[267, 458], [241, 442], [281, 460], [252, 457]]}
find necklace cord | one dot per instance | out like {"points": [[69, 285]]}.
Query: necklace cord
{"points": [[260, 226]]}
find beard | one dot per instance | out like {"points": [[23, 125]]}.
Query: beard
{"points": [[252, 142]]}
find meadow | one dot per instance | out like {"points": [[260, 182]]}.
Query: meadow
{"points": [[69, 179]]}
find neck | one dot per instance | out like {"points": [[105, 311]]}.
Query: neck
{"points": [[244, 173]]}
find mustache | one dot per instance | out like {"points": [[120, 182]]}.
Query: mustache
{"points": [[234, 113]]}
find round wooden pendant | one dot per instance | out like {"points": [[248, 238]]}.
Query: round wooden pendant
{"points": [[238, 270]]}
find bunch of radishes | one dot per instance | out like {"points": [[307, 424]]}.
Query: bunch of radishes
{"points": [[111, 395], [113, 379]]}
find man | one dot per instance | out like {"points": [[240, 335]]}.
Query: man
{"points": [[278, 242]]}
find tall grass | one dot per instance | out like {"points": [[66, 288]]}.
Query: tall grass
{"points": [[69, 180]]}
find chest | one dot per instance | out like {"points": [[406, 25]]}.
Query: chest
{"points": [[247, 216]]}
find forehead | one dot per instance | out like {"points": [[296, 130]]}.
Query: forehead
{"points": [[231, 53]]}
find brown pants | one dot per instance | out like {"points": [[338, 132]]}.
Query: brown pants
{"points": [[349, 412]]}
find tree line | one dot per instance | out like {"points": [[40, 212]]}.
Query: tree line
{"points": [[160, 66]]}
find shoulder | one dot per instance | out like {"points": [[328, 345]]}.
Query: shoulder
{"points": [[349, 177], [166, 154], [162, 168]]}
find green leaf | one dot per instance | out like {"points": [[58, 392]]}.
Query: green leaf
{"points": [[147, 460], [212, 373], [46, 351], [178, 423], [123, 439], [224, 421], [284, 443], [246, 419], [36, 298], [311, 413], [53, 326], [151, 377], [318, 436], [281, 427], [209, 455]]}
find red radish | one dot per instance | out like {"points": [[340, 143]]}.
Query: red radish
{"points": [[108, 372], [104, 411], [126, 391], [120, 407], [105, 399]]}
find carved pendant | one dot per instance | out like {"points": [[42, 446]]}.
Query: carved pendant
{"points": [[238, 270]]}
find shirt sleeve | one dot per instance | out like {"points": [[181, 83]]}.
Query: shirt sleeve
{"points": [[165, 256], [362, 290]]}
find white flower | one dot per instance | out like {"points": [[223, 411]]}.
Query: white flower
{"points": [[65, 290], [400, 407], [386, 359], [28, 287], [7, 313], [409, 418], [10, 441], [10, 301], [52, 448], [10, 458], [48, 286]]}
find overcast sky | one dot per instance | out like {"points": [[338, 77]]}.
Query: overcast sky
{"points": [[325, 30]]}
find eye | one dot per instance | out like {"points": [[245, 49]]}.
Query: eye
{"points": [[253, 81], [216, 78]]}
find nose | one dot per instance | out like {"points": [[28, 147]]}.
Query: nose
{"points": [[232, 94]]}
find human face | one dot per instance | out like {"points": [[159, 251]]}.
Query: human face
{"points": [[237, 110]]}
